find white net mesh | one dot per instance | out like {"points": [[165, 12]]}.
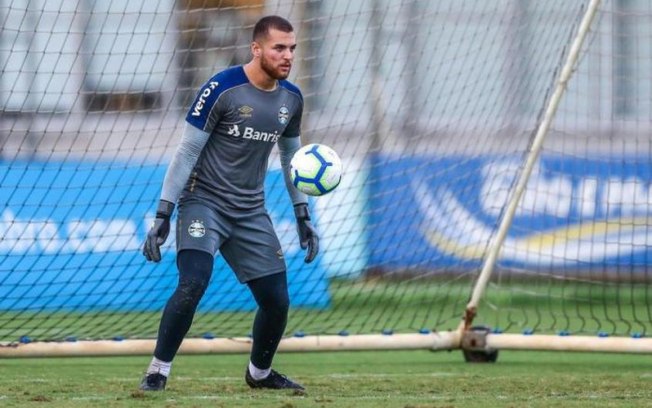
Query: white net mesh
{"points": [[431, 105]]}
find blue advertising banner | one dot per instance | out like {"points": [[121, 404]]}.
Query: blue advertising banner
{"points": [[575, 213], [71, 236]]}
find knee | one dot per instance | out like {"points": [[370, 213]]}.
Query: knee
{"points": [[277, 304], [195, 270], [187, 295], [283, 304], [192, 288], [271, 294]]}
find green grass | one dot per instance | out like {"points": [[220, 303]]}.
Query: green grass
{"points": [[370, 306], [343, 379], [360, 379]]}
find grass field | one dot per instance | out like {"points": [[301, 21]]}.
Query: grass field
{"points": [[359, 379], [370, 306], [344, 379]]}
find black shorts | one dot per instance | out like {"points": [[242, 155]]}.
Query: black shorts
{"points": [[247, 242]]}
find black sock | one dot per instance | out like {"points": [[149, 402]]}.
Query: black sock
{"points": [[271, 294], [195, 268]]}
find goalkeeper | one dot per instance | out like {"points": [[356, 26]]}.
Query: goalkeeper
{"points": [[216, 177]]}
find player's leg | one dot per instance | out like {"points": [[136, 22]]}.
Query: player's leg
{"points": [[255, 254], [271, 294], [198, 234], [273, 302], [195, 268]]}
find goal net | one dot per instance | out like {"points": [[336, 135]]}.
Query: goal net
{"points": [[434, 107]]}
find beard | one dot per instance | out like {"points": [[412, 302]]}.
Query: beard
{"points": [[272, 71]]}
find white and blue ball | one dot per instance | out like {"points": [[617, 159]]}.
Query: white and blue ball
{"points": [[315, 169]]}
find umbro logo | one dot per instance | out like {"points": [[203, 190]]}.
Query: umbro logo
{"points": [[245, 111]]}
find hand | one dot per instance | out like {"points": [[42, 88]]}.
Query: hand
{"points": [[308, 237], [159, 231]]}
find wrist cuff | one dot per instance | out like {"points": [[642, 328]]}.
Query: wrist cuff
{"points": [[165, 209], [301, 211]]}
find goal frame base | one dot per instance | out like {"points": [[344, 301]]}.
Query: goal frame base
{"points": [[433, 341], [428, 341]]}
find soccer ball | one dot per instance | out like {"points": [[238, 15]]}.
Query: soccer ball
{"points": [[315, 169]]}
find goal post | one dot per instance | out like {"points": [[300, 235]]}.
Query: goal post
{"points": [[531, 157], [496, 194]]}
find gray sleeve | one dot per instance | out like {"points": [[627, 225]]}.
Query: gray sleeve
{"points": [[287, 146], [184, 160]]}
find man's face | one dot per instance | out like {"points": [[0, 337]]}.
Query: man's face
{"points": [[277, 53]]}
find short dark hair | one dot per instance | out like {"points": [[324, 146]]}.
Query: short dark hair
{"points": [[262, 27]]}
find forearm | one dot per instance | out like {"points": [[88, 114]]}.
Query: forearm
{"points": [[287, 147], [183, 162]]}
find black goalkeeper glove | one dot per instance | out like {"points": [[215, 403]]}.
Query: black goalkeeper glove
{"points": [[308, 237], [159, 231]]}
